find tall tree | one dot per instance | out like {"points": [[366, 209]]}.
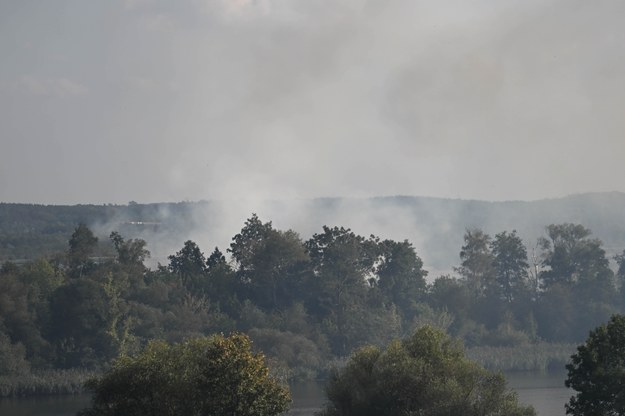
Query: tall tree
{"points": [[268, 262], [477, 267], [221, 283], [571, 256], [189, 264], [81, 246], [18, 314], [510, 262], [131, 252], [400, 274], [343, 264], [620, 277], [80, 314], [245, 244]]}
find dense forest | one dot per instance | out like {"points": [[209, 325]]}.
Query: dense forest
{"points": [[306, 303]]}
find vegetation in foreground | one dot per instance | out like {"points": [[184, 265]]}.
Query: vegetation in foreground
{"points": [[214, 375], [426, 374], [597, 372]]}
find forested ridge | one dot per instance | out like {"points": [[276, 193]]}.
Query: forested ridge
{"points": [[305, 302], [435, 226]]}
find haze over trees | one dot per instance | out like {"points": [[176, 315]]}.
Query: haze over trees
{"points": [[435, 226], [304, 302]]}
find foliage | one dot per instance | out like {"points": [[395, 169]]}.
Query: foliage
{"points": [[597, 372], [129, 252], [214, 375], [81, 247], [424, 374], [12, 357], [188, 263], [571, 256], [79, 318], [401, 277], [510, 262], [342, 267], [306, 303], [477, 266]]}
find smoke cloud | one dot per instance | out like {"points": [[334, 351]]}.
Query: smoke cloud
{"points": [[151, 100]]}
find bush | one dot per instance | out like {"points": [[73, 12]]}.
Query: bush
{"points": [[214, 375], [597, 372], [426, 374]]}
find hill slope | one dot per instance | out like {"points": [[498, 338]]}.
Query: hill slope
{"points": [[434, 225]]}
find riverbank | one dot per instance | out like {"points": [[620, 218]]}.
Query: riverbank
{"points": [[544, 391], [45, 383], [542, 356]]}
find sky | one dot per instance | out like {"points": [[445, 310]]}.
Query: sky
{"points": [[154, 100]]}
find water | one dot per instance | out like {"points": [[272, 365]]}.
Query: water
{"points": [[307, 397], [546, 392]]}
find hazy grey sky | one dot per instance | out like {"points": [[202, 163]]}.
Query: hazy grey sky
{"points": [[154, 100]]}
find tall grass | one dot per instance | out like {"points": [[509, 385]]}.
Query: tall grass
{"points": [[542, 356], [44, 383]]}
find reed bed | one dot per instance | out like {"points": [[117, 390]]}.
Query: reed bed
{"points": [[51, 382], [542, 356]]}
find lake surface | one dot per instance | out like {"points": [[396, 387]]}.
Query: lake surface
{"points": [[546, 392]]}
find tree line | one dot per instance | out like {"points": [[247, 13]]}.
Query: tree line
{"points": [[303, 302]]}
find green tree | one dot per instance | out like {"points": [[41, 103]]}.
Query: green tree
{"points": [[215, 259], [477, 267], [597, 372], [81, 246], [130, 253], [269, 263], [556, 313], [245, 244], [510, 262], [576, 263], [189, 263], [620, 276], [451, 294], [571, 256], [41, 276], [80, 315], [400, 273], [221, 282], [214, 375], [343, 265], [426, 374], [18, 314], [620, 261]]}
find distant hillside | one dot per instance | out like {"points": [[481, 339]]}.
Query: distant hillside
{"points": [[434, 225]]}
